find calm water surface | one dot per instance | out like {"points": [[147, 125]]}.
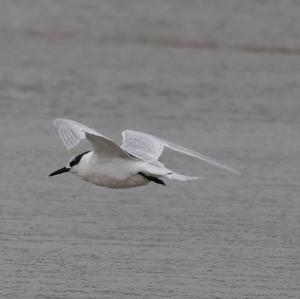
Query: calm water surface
{"points": [[222, 78]]}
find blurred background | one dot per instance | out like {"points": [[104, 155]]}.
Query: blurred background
{"points": [[220, 77]]}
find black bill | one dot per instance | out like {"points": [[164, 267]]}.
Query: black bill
{"points": [[59, 171]]}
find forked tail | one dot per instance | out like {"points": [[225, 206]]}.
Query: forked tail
{"points": [[181, 177]]}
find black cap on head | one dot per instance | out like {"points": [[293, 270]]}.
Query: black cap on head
{"points": [[72, 163], [77, 159]]}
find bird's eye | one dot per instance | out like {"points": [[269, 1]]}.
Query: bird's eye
{"points": [[73, 161], [77, 159]]}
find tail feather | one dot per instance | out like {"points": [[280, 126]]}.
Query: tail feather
{"points": [[181, 177], [158, 170]]}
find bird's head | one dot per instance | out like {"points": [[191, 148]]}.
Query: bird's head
{"points": [[71, 166]]}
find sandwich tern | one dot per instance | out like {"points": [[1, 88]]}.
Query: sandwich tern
{"points": [[134, 163]]}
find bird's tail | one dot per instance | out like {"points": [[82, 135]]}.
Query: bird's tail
{"points": [[181, 177], [159, 170]]}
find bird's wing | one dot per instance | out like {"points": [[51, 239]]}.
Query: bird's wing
{"points": [[72, 133], [149, 147], [142, 145]]}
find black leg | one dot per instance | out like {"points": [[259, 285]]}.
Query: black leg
{"points": [[153, 179]]}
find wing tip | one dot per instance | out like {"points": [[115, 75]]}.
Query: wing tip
{"points": [[60, 125], [234, 171], [57, 121]]}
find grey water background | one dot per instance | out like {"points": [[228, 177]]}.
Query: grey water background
{"points": [[221, 77]]}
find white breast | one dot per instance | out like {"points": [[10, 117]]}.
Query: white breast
{"points": [[112, 173]]}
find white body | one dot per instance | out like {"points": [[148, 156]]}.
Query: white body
{"points": [[134, 163], [110, 172]]}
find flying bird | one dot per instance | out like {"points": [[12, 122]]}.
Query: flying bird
{"points": [[134, 163]]}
